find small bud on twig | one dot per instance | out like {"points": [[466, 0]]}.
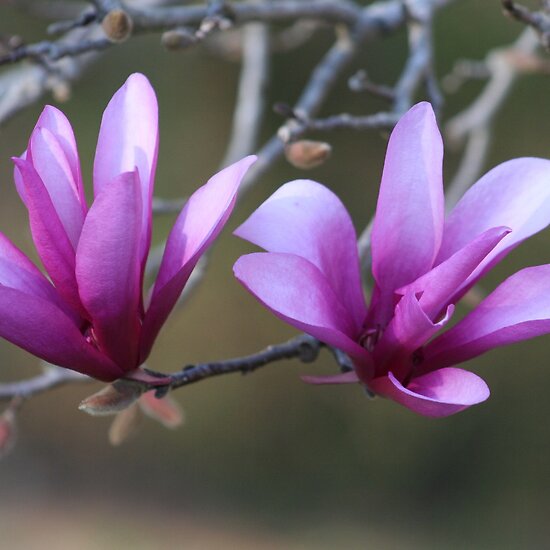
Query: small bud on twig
{"points": [[306, 154], [178, 39], [117, 25], [61, 91], [112, 399]]}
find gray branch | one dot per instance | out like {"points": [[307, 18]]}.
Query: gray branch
{"points": [[250, 104], [473, 124]]}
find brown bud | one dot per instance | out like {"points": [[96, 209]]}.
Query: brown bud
{"points": [[61, 91], [112, 399], [124, 425], [178, 39], [165, 410], [117, 25], [306, 154]]}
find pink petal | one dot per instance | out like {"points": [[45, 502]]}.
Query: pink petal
{"points": [[50, 162], [515, 194], [438, 286], [439, 393], [517, 310], [307, 219], [297, 292], [197, 226], [41, 328], [342, 378], [408, 225], [108, 268], [56, 122], [128, 138], [409, 329], [51, 240], [19, 273]]}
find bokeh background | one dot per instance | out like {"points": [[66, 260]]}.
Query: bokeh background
{"points": [[266, 461]]}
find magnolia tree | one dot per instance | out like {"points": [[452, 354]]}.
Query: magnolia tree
{"points": [[95, 308]]}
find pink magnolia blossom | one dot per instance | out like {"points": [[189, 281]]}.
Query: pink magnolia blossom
{"points": [[91, 315], [422, 264]]}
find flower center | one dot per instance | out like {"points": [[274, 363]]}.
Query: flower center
{"points": [[370, 337]]}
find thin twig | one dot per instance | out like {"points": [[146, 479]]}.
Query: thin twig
{"points": [[303, 347], [51, 377], [375, 19], [382, 120], [473, 124], [538, 20], [250, 104]]}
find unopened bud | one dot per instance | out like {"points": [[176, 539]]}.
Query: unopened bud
{"points": [[306, 154], [117, 25], [178, 39], [112, 399], [7, 432], [125, 425], [165, 410], [61, 92]]}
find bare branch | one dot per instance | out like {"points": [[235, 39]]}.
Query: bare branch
{"points": [[304, 348], [51, 377], [250, 105], [360, 82], [26, 84], [374, 19], [161, 18], [473, 124], [538, 20], [243, 12], [381, 120]]}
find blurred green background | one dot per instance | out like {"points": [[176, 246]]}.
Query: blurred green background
{"points": [[266, 461]]}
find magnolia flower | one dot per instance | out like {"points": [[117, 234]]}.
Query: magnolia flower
{"points": [[422, 265], [90, 316]]}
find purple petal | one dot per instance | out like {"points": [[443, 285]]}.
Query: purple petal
{"points": [[440, 284], [515, 194], [49, 236], [128, 138], [408, 225], [439, 393], [19, 273], [50, 162], [41, 328], [342, 378], [409, 329], [56, 122], [517, 310], [197, 226], [297, 292], [108, 268], [307, 219]]}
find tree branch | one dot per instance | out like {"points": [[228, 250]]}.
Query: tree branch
{"points": [[250, 105], [538, 20], [304, 348], [473, 124]]}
